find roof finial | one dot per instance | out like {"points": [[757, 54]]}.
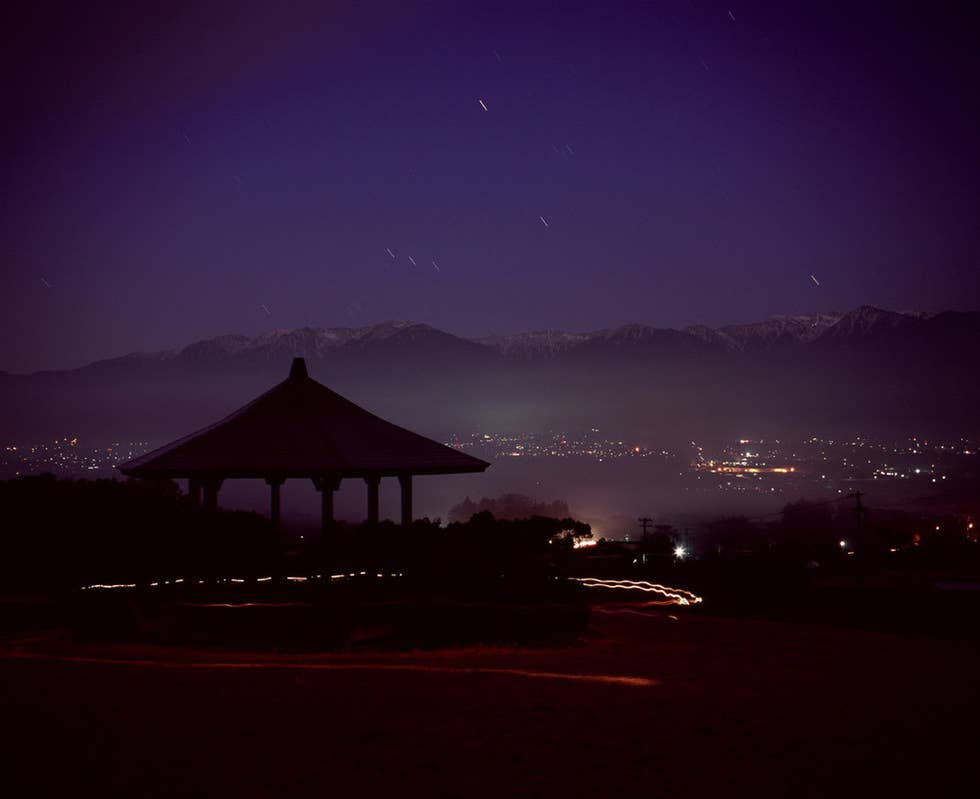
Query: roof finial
{"points": [[298, 370]]}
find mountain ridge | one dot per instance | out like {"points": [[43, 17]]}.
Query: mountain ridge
{"points": [[866, 369], [779, 332]]}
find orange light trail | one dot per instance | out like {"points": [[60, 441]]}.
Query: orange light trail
{"points": [[239, 604], [674, 596], [608, 679]]}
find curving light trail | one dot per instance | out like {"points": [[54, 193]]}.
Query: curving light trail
{"points": [[672, 596], [666, 594]]}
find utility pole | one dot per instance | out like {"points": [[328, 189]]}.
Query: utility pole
{"points": [[859, 512], [859, 542], [645, 522]]}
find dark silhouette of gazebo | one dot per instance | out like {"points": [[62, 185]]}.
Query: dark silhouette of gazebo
{"points": [[302, 429]]}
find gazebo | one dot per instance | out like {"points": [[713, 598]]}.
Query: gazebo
{"points": [[302, 429]]}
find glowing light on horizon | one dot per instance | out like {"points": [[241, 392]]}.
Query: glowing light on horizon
{"points": [[583, 543]]}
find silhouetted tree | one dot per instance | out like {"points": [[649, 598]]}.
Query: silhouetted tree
{"points": [[509, 506], [59, 534]]}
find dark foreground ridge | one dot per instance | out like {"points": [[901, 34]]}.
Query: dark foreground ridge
{"points": [[650, 703]]}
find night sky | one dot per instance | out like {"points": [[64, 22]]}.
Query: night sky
{"points": [[168, 174]]}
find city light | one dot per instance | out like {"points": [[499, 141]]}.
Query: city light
{"points": [[679, 552]]}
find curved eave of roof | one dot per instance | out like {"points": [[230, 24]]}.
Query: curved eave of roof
{"points": [[230, 474], [300, 428]]}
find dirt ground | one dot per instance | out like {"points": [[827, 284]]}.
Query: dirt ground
{"points": [[708, 706]]}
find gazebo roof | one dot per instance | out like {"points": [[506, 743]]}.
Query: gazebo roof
{"points": [[300, 428]]}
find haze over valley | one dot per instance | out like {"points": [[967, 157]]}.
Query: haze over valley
{"points": [[871, 375]]}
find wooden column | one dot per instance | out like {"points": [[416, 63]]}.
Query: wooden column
{"points": [[372, 497], [406, 483], [194, 491], [274, 483], [211, 488], [326, 485]]}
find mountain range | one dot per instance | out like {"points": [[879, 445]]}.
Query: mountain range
{"points": [[861, 370]]}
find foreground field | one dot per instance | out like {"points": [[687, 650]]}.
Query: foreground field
{"points": [[648, 704]]}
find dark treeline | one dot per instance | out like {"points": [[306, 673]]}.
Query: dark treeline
{"points": [[481, 547], [816, 562], [508, 506], [61, 534], [824, 535], [827, 535], [483, 580]]}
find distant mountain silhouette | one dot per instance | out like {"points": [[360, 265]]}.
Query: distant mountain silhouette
{"points": [[867, 369]]}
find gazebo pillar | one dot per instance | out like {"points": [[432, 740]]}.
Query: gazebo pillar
{"points": [[405, 480], [211, 488], [372, 485], [194, 491], [326, 486], [275, 483]]}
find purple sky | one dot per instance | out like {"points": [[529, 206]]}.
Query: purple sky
{"points": [[167, 175]]}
